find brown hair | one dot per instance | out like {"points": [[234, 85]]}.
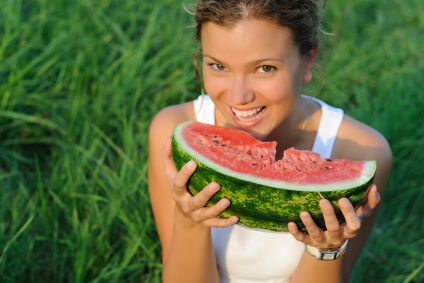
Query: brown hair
{"points": [[302, 17]]}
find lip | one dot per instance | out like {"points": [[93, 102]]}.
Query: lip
{"points": [[247, 117]]}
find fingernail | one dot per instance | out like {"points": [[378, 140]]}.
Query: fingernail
{"points": [[344, 202], [191, 164], [304, 216], [225, 203], [325, 204], [213, 187]]}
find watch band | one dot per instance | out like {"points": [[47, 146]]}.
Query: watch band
{"points": [[330, 254]]}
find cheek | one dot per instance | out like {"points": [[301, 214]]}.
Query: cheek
{"points": [[277, 88], [213, 85], [289, 83]]}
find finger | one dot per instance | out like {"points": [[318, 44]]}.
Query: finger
{"points": [[182, 177], [221, 222], [353, 223], [313, 230], [373, 197], [201, 199], [209, 215], [331, 221], [205, 214], [215, 210], [296, 232]]}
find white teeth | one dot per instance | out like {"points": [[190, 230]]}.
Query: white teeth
{"points": [[249, 115]]}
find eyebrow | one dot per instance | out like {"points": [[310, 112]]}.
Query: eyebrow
{"points": [[252, 63]]}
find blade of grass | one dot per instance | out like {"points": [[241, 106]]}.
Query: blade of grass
{"points": [[15, 237]]}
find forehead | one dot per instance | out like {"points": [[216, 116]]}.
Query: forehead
{"points": [[250, 38]]}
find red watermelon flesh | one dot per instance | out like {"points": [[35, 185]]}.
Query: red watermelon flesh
{"points": [[239, 151]]}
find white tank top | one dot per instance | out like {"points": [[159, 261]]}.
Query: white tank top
{"points": [[245, 255]]}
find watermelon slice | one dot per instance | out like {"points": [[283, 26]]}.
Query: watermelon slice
{"points": [[266, 193]]}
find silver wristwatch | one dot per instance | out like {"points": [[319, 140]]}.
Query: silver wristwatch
{"points": [[330, 254]]}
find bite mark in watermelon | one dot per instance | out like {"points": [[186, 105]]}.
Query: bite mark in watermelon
{"points": [[266, 193]]}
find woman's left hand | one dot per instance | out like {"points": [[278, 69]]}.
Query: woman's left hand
{"points": [[336, 233]]}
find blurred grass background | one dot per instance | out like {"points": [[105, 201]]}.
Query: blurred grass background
{"points": [[79, 84]]}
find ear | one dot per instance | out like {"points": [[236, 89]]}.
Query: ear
{"points": [[309, 65]]}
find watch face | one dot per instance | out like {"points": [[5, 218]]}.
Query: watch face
{"points": [[328, 256]]}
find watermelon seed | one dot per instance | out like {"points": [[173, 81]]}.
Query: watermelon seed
{"points": [[326, 168], [314, 161], [329, 160]]}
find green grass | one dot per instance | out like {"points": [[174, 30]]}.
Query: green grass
{"points": [[80, 82]]}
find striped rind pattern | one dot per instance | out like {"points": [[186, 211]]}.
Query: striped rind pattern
{"points": [[261, 205]]}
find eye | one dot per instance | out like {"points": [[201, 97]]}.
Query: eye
{"points": [[218, 67], [265, 69]]}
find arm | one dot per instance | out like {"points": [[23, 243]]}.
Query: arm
{"points": [[182, 220], [355, 141]]}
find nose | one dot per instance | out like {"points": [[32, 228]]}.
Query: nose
{"points": [[239, 91]]}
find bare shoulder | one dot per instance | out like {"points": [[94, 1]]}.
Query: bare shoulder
{"points": [[168, 118], [161, 128], [358, 141]]}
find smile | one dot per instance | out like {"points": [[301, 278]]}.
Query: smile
{"points": [[249, 115]]}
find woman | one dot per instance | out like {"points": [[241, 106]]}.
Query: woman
{"points": [[256, 57]]}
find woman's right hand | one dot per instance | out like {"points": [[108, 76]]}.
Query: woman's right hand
{"points": [[194, 207]]}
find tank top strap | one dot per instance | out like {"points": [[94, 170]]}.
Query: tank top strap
{"points": [[204, 109], [327, 132]]}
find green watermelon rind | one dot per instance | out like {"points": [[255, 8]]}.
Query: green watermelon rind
{"points": [[367, 173], [255, 203]]}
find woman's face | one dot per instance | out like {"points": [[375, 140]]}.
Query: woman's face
{"points": [[253, 73]]}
